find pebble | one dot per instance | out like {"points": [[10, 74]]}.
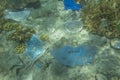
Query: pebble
{"points": [[115, 78], [1, 50], [100, 77], [115, 43]]}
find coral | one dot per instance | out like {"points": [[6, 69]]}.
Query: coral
{"points": [[44, 37], [2, 7], [8, 25], [20, 4], [35, 4], [20, 48], [21, 35], [16, 33], [102, 17]]}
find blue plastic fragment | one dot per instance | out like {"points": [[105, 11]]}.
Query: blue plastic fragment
{"points": [[17, 15], [34, 48], [71, 4], [72, 56]]}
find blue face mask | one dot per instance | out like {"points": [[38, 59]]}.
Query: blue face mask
{"points": [[71, 4], [73, 56]]}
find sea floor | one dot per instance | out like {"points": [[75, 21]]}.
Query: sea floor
{"points": [[50, 21]]}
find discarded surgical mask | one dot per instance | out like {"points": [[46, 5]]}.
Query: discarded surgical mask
{"points": [[72, 56], [73, 26], [17, 15], [71, 4], [34, 48]]}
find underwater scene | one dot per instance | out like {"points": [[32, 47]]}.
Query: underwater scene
{"points": [[59, 39]]}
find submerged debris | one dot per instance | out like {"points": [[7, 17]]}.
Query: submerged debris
{"points": [[16, 33], [74, 26], [21, 35], [2, 7], [72, 56], [34, 47], [20, 48], [17, 15]]}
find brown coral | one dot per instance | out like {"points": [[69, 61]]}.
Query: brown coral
{"points": [[102, 17], [21, 4], [20, 48], [2, 7], [9, 25], [22, 35]]}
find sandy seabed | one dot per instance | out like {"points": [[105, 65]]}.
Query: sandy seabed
{"points": [[50, 20]]}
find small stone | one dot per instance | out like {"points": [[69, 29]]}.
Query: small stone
{"points": [[115, 43], [1, 50], [44, 37], [100, 77], [114, 78], [73, 26]]}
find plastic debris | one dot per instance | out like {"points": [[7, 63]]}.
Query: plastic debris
{"points": [[72, 56], [17, 15], [34, 48], [71, 4], [73, 26]]}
